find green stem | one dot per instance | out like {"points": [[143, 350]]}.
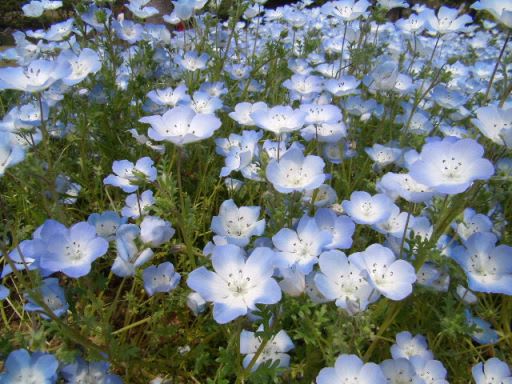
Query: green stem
{"points": [[486, 97]]}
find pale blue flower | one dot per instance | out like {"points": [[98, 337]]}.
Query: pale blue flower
{"points": [[126, 174], [161, 278], [53, 296], [236, 224], [23, 368], [73, 251], [237, 285], [351, 367]]}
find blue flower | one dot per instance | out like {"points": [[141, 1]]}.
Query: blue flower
{"points": [[106, 223], [296, 172], [484, 333], [84, 372], [127, 174], [53, 296], [451, 165], [73, 251], [487, 266], [492, 371], [238, 225], [237, 285], [161, 278], [351, 367], [23, 368], [300, 248], [392, 278]]}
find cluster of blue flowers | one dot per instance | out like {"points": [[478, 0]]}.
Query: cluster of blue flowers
{"points": [[296, 152]]}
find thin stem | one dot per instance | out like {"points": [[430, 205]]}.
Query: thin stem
{"points": [[486, 97], [184, 231]]}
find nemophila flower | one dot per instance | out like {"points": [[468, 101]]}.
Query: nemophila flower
{"points": [[343, 281], [447, 20], [325, 133], [28, 252], [196, 303], [279, 119], [403, 185], [324, 196], [39, 75], [155, 231], [83, 64], [72, 252], [136, 206], [238, 71], [428, 371], [341, 228], [483, 332], [275, 349], [350, 368], [128, 30], [383, 155], [127, 174], [343, 86], [345, 10], [275, 148], [434, 277], [170, 96], [321, 113], [300, 248], [144, 140], [237, 285], [237, 225], [407, 346], [59, 31], [67, 189], [51, 5], [466, 295], [243, 111], [492, 371], [295, 172], [292, 281], [495, 123], [216, 88], [181, 125], [394, 225], [390, 4], [312, 291], [303, 85], [52, 294], [139, 9], [364, 109], [192, 61], [501, 10], [398, 371], [392, 278], [84, 372], [366, 209], [450, 166], [487, 266], [203, 102], [4, 292], [106, 223], [420, 122], [447, 98], [10, 153], [473, 223], [161, 278], [33, 9], [129, 257], [30, 114], [23, 368]]}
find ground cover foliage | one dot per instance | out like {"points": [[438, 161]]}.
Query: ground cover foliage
{"points": [[297, 195]]}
